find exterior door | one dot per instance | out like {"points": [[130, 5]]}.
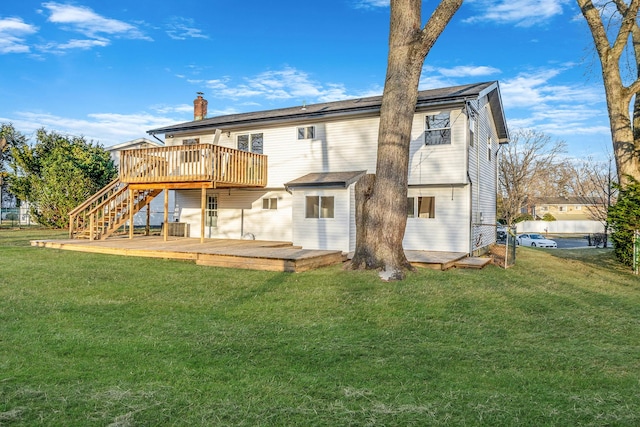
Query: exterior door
{"points": [[211, 216]]}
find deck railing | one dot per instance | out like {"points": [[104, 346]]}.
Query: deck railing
{"points": [[193, 163]]}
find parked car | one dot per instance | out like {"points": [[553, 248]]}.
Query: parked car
{"points": [[501, 233], [536, 240]]}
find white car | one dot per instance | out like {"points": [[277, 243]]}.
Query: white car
{"points": [[535, 240]]}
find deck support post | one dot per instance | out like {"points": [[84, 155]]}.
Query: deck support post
{"points": [[131, 213], [147, 227], [203, 204], [165, 231]]}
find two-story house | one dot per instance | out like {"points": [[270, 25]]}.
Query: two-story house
{"points": [[289, 174]]}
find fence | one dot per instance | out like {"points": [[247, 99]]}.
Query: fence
{"points": [[561, 227], [15, 216]]}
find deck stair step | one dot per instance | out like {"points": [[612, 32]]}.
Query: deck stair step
{"points": [[472, 262], [107, 211]]}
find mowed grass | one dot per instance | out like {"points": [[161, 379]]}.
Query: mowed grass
{"points": [[98, 340]]}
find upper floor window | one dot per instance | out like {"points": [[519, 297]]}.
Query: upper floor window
{"points": [[190, 155], [489, 146], [251, 142], [438, 129], [307, 132]]}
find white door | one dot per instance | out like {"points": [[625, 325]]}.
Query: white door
{"points": [[211, 217]]}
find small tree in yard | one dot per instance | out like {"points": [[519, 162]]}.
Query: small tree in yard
{"points": [[624, 218], [381, 199], [529, 168], [594, 185], [57, 174]]}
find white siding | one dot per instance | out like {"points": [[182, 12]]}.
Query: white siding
{"points": [[351, 145], [239, 212], [438, 164], [483, 175], [449, 230], [322, 233]]}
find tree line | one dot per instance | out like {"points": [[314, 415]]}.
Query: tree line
{"points": [[54, 174]]}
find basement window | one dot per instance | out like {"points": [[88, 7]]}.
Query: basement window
{"points": [[270, 203], [421, 207], [319, 207]]}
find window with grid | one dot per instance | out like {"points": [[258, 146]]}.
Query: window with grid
{"points": [[252, 142]]}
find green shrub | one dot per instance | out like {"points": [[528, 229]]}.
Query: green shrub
{"points": [[524, 217], [548, 217], [624, 218]]}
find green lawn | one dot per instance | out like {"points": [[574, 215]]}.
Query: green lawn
{"points": [[98, 340]]}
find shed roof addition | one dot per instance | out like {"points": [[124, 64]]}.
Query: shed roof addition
{"points": [[326, 179]]}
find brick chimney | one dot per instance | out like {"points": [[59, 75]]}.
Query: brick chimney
{"points": [[199, 107]]}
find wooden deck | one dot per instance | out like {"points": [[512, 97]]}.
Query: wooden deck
{"points": [[244, 254], [247, 254]]}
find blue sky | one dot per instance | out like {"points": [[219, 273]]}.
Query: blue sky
{"points": [[111, 70]]}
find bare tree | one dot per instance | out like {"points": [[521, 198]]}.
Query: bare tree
{"points": [[625, 132], [527, 169], [594, 186], [382, 198]]}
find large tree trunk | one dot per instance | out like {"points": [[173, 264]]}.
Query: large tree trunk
{"points": [[382, 198], [626, 140]]}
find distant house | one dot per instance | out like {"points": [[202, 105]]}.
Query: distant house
{"points": [[562, 208], [572, 215], [289, 174]]}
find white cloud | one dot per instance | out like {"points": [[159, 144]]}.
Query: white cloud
{"points": [[12, 35], [276, 85], [468, 71], [104, 128], [73, 44], [85, 21], [368, 4], [534, 90], [184, 28], [522, 13]]}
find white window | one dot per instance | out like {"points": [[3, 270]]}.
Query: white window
{"points": [[270, 203], [319, 207], [252, 142], [307, 132], [424, 206], [489, 142], [438, 129]]}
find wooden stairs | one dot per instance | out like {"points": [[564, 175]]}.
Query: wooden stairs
{"points": [[106, 211]]}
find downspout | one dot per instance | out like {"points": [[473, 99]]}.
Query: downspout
{"points": [[159, 140]]}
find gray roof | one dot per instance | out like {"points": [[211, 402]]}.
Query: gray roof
{"points": [[326, 179], [351, 107]]}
